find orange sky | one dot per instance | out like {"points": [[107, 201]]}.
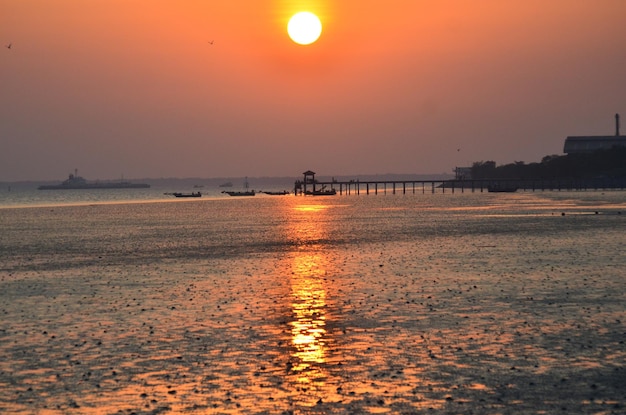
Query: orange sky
{"points": [[133, 87]]}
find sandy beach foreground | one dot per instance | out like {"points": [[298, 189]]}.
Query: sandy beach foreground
{"points": [[343, 306]]}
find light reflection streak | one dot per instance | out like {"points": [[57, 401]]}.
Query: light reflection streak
{"points": [[309, 265], [309, 310]]}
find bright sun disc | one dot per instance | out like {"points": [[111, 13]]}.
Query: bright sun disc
{"points": [[304, 28]]}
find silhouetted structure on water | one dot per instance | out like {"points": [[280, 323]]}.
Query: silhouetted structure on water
{"points": [[593, 162]]}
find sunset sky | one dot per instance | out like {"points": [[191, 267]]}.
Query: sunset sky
{"points": [[135, 87]]}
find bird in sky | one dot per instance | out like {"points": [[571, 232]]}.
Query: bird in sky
{"points": [[9, 45], [211, 42]]}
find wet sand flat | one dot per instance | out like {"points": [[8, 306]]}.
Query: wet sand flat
{"points": [[502, 312]]}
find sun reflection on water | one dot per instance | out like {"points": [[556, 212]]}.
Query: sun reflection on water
{"points": [[310, 265], [309, 303]]}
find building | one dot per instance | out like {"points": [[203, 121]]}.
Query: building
{"points": [[589, 144], [463, 173]]}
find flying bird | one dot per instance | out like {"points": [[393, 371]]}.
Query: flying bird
{"points": [[9, 45], [211, 42]]}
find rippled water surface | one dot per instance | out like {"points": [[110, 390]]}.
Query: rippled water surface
{"points": [[402, 304]]}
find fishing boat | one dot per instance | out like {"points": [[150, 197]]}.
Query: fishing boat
{"points": [[283, 193], [74, 181], [245, 192], [321, 192], [330, 192], [192, 194], [241, 193]]}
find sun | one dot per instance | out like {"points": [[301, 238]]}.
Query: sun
{"points": [[304, 28]]}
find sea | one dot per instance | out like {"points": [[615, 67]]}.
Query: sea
{"points": [[131, 301]]}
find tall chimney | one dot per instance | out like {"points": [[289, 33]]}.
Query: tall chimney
{"points": [[617, 125]]}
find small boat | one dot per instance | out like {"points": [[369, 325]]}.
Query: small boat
{"points": [[241, 193], [192, 194], [283, 193], [502, 189], [330, 192], [323, 191]]}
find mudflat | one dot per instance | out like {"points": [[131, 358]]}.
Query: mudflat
{"points": [[343, 306]]}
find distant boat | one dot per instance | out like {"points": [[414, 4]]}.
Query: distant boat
{"points": [[330, 192], [502, 189], [283, 193], [241, 193], [192, 194], [321, 192], [227, 184], [74, 181]]}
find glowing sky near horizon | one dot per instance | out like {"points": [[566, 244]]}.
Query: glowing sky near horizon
{"points": [[199, 88]]}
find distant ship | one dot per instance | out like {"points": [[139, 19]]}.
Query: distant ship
{"points": [[74, 181]]}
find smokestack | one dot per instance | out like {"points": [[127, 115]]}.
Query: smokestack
{"points": [[617, 125]]}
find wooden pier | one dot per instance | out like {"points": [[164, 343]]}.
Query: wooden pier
{"points": [[310, 186]]}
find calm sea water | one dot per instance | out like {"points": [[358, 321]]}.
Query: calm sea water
{"points": [[418, 303], [27, 195]]}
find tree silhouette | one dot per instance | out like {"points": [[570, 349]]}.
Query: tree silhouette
{"points": [[609, 163]]}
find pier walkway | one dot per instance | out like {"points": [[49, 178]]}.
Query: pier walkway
{"points": [[310, 186]]}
